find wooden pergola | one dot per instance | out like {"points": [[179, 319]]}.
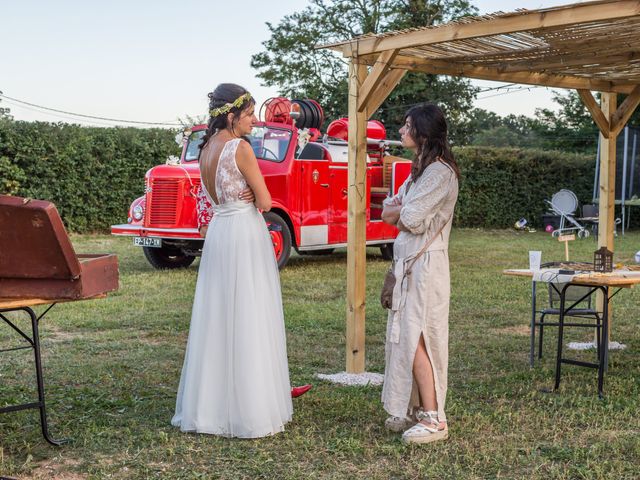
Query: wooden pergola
{"points": [[588, 46]]}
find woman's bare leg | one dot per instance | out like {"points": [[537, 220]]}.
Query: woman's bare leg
{"points": [[423, 374]]}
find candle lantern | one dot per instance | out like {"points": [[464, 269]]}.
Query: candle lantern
{"points": [[603, 260]]}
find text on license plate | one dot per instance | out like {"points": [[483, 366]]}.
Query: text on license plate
{"points": [[147, 242]]}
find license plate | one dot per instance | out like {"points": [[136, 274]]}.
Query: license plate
{"points": [[147, 242]]}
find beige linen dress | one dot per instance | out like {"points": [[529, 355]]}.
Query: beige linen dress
{"points": [[421, 301]]}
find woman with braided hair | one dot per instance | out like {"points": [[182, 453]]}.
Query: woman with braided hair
{"points": [[235, 377]]}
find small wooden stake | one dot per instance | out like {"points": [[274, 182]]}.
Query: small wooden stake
{"points": [[566, 239]]}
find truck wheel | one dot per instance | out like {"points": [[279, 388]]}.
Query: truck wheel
{"points": [[280, 236], [166, 257], [387, 251]]}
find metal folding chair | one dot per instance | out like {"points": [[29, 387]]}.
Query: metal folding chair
{"points": [[579, 307]]}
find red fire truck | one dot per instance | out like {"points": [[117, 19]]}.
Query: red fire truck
{"points": [[306, 174]]}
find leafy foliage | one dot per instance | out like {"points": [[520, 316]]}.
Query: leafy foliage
{"points": [[91, 174], [291, 62], [500, 185], [5, 113], [570, 129]]}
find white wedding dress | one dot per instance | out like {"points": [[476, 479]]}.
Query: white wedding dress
{"points": [[235, 377]]}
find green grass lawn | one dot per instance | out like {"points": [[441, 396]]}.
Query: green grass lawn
{"points": [[112, 368]]}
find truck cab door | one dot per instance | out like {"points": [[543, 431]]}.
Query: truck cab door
{"points": [[315, 195]]}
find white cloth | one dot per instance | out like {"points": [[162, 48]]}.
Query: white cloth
{"points": [[421, 300], [235, 377]]}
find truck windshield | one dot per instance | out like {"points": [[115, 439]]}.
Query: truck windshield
{"points": [[270, 143], [267, 143], [193, 147]]}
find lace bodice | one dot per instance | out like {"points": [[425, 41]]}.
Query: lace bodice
{"points": [[229, 180]]}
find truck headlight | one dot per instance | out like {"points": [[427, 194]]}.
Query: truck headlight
{"points": [[137, 212]]}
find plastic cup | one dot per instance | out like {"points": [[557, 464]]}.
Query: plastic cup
{"points": [[535, 258]]}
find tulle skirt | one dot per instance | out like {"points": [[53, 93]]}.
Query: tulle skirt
{"points": [[235, 377]]}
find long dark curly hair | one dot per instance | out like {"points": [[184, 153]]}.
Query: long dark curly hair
{"points": [[223, 94], [429, 132]]}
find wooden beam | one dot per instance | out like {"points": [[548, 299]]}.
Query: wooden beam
{"points": [[596, 113], [356, 223], [565, 61], [607, 189], [377, 74], [387, 85], [529, 21], [624, 112], [439, 67]]}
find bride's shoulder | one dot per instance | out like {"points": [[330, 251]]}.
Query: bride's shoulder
{"points": [[243, 149]]}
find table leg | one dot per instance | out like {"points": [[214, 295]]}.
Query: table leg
{"points": [[40, 379], [560, 335], [34, 342], [604, 347], [533, 324]]}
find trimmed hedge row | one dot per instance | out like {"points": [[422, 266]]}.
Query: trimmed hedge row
{"points": [[93, 174], [501, 185]]}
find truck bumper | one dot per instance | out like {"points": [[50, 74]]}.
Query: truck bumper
{"points": [[128, 230]]}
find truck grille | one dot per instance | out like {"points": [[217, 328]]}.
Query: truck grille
{"points": [[163, 207]]}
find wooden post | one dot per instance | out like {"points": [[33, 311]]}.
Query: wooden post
{"points": [[607, 177], [607, 188], [357, 222]]}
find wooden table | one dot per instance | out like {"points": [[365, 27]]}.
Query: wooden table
{"points": [[25, 305], [603, 282]]}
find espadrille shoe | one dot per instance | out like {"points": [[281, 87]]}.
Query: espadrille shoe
{"points": [[426, 432], [398, 424]]}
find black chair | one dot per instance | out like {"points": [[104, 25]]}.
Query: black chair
{"points": [[577, 300], [590, 215]]}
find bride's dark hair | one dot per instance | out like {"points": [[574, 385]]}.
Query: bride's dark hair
{"points": [[223, 94]]}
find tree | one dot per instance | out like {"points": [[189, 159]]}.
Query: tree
{"points": [[5, 112], [291, 63], [571, 128], [489, 129]]}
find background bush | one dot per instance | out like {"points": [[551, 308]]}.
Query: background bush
{"points": [[501, 185], [93, 174]]}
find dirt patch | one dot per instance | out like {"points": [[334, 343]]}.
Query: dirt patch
{"points": [[519, 330], [56, 469], [151, 339], [54, 334]]}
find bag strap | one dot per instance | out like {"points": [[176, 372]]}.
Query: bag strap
{"points": [[428, 244]]}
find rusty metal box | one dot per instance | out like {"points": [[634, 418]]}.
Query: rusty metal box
{"points": [[37, 259]]}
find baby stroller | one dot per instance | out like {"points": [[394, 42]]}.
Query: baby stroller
{"points": [[565, 203]]}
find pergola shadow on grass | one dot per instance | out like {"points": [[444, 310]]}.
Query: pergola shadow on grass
{"points": [[113, 367], [589, 46]]}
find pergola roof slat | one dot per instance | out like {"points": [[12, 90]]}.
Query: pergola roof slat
{"points": [[587, 45]]}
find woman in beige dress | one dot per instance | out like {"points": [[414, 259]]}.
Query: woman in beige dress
{"points": [[415, 381]]}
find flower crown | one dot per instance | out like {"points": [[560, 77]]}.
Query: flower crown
{"points": [[214, 112]]}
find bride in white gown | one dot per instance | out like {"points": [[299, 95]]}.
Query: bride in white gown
{"points": [[235, 377]]}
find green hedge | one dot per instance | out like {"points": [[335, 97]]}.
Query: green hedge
{"points": [[501, 185], [91, 174]]}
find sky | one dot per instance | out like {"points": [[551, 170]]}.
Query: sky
{"points": [[155, 61]]}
